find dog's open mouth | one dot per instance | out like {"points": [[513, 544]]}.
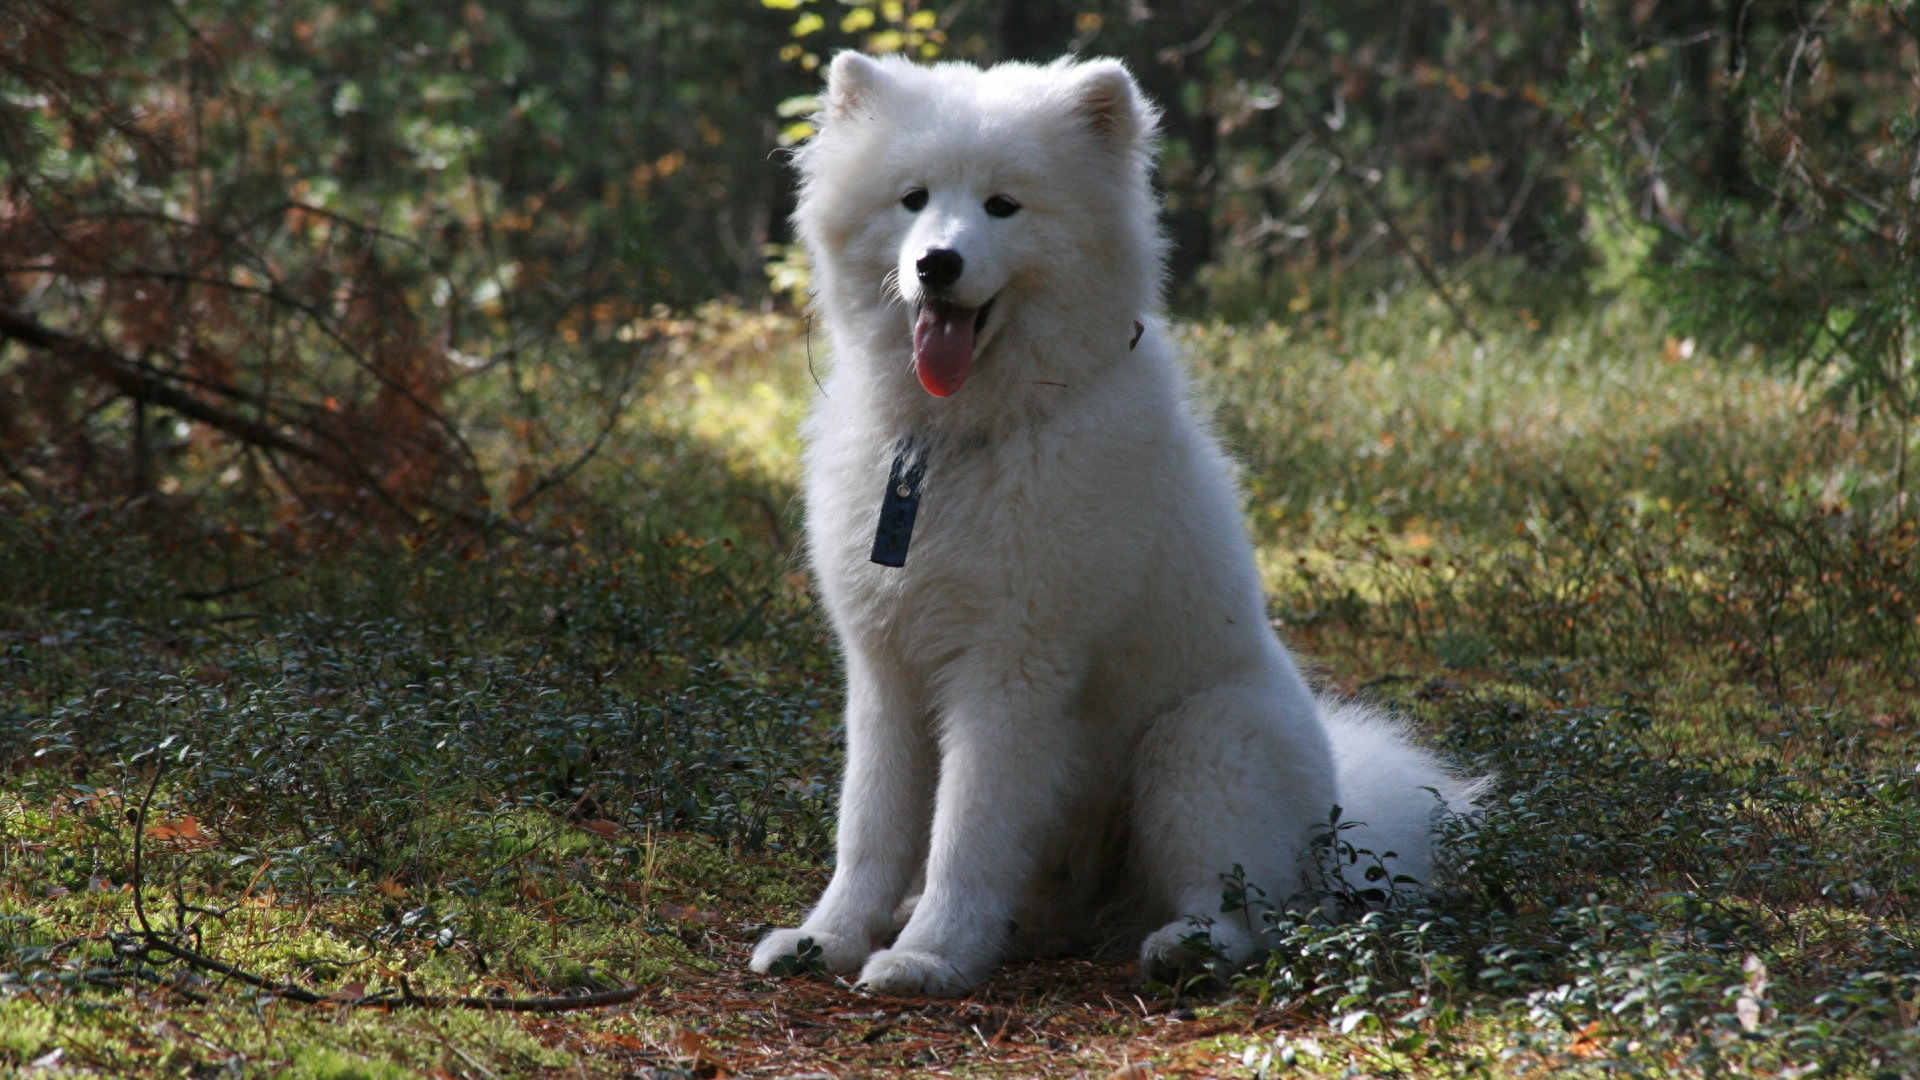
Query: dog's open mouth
{"points": [[943, 343]]}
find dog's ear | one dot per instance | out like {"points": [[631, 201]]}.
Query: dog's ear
{"points": [[1106, 98], [853, 82]]}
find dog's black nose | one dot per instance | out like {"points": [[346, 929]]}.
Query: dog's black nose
{"points": [[939, 267]]}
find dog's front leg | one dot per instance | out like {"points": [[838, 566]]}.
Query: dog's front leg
{"points": [[1003, 767], [885, 804]]}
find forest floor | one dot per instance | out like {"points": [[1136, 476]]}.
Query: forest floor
{"points": [[272, 790]]}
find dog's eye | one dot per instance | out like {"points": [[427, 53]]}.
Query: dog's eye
{"points": [[915, 200], [1001, 206]]}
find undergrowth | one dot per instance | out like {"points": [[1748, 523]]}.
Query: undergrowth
{"points": [[1618, 908]]}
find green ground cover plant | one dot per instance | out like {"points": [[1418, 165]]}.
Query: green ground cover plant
{"points": [[1669, 604]]}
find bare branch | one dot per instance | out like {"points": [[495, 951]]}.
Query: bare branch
{"points": [[146, 384]]}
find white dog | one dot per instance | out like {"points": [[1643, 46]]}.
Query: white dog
{"points": [[1067, 716]]}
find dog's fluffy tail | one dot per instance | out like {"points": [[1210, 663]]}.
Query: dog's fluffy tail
{"points": [[1393, 788]]}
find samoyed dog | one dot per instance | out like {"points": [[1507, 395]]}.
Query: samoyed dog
{"points": [[1067, 716]]}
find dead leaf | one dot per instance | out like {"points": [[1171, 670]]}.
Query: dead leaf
{"points": [[603, 828], [352, 991], [1138, 1070], [676, 913], [187, 828], [693, 1046], [1587, 1045]]}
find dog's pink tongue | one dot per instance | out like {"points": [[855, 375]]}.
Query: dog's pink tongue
{"points": [[943, 347]]}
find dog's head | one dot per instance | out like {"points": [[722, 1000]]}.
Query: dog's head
{"points": [[946, 204]]}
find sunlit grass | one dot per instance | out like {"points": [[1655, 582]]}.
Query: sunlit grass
{"points": [[1407, 425]]}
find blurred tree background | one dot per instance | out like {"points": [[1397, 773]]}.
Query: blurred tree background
{"points": [[345, 256]]}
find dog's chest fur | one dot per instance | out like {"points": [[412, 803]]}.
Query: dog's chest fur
{"points": [[1001, 526]]}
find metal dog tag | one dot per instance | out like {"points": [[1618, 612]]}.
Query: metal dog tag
{"points": [[899, 505]]}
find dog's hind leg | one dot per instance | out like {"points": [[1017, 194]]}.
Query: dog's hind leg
{"points": [[885, 807], [1235, 776]]}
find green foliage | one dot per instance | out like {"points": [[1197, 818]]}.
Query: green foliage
{"points": [[1767, 149], [804, 961], [590, 688], [1294, 131], [1784, 588], [1615, 906], [1530, 498]]}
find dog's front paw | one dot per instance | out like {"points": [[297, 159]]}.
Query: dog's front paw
{"points": [[1181, 950], [905, 973], [792, 951]]}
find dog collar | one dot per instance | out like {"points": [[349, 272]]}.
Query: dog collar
{"points": [[899, 503]]}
